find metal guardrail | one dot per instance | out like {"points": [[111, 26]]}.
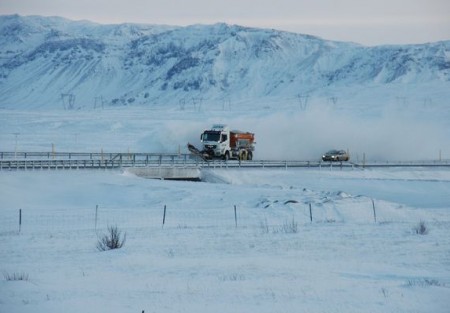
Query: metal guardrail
{"points": [[71, 160], [83, 160], [321, 164], [90, 156]]}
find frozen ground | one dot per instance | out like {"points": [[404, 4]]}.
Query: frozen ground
{"points": [[271, 258], [275, 260]]}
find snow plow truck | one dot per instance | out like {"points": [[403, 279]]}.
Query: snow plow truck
{"points": [[221, 142]]}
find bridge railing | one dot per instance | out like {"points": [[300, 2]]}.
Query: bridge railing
{"points": [[25, 160], [91, 156], [319, 164]]}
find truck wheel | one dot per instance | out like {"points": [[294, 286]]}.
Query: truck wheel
{"points": [[243, 155], [226, 157], [250, 156]]}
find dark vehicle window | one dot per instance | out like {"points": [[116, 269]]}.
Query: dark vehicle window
{"points": [[211, 136]]}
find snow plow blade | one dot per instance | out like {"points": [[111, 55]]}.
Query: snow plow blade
{"points": [[196, 152]]}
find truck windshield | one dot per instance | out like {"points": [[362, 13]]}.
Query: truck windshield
{"points": [[211, 136]]}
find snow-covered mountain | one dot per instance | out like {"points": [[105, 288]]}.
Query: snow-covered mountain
{"points": [[49, 61]]}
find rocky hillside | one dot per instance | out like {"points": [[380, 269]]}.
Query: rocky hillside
{"points": [[49, 62]]}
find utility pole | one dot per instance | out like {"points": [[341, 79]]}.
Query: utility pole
{"points": [[70, 99], [334, 100], [303, 101]]}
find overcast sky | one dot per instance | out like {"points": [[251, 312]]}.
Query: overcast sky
{"points": [[369, 22]]}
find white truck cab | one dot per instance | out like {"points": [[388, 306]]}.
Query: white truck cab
{"points": [[216, 141]]}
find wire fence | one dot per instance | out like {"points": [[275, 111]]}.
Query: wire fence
{"points": [[98, 218]]}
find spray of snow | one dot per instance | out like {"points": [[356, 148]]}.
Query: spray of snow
{"points": [[307, 135]]}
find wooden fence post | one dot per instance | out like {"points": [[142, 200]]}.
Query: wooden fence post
{"points": [[20, 220], [310, 212], [96, 214], [374, 212], [164, 216]]}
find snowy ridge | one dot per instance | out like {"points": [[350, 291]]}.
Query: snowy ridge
{"points": [[128, 64]]}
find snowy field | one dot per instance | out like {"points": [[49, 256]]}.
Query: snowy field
{"points": [[360, 253]]}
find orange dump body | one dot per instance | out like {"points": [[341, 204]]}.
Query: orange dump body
{"points": [[241, 139]]}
